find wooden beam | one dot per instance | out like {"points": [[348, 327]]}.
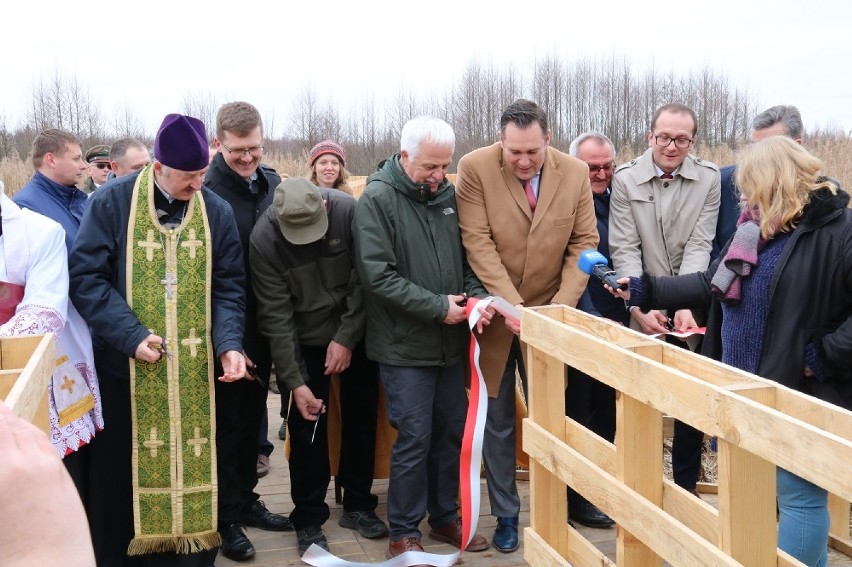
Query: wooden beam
{"points": [[747, 499], [669, 538], [538, 553], [746, 423], [546, 403], [27, 396]]}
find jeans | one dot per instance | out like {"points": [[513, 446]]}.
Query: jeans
{"points": [[803, 519]]}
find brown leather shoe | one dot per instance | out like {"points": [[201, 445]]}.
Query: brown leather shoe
{"points": [[452, 534], [400, 546]]}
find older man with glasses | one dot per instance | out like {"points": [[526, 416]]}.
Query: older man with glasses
{"points": [[662, 221]]}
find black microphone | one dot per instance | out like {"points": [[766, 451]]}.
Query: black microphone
{"points": [[595, 264]]}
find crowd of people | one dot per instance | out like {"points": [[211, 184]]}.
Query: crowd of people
{"points": [[180, 282]]}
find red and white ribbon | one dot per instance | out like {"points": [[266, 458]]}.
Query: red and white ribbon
{"points": [[469, 467]]}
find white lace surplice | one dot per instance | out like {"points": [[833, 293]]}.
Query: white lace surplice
{"points": [[32, 253]]}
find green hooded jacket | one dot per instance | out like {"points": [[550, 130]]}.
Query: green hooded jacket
{"points": [[409, 256]]}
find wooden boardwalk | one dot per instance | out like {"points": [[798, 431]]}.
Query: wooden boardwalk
{"points": [[279, 548]]}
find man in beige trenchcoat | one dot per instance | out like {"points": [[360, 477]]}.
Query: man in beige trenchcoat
{"points": [[662, 221], [526, 214]]}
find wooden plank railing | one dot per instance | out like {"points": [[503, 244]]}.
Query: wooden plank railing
{"points": [[26, 365], [758, 423]]}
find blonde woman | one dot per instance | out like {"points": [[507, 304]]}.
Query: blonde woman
{"points": [[788, 317]]}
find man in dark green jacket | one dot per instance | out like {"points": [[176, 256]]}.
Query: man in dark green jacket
{"points": [[416, 281], [311, 307]]}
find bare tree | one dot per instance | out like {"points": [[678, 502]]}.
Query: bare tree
{"points": [[202, 105]]}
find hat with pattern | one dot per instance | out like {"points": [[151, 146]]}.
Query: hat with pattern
{"points": [[328, 147]]}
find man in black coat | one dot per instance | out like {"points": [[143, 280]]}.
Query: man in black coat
{"points": [[236, 175], [588, 401]]}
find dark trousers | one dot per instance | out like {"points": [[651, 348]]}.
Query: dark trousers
{"points": [[427, 407], [498, 445], [78, 466], [264, 446], [686, 445], [240, 407], [309, 464], [111, 504], [590, 403]]}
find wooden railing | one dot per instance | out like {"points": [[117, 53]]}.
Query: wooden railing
{"points": [[26, 365], [759, 424]]}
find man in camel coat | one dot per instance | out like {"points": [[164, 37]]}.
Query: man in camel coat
{"points": [[526, 214]]}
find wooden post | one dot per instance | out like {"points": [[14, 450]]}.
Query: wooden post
{"points": [[838, 531], [747, 529], [639, 463], [546, 406]]}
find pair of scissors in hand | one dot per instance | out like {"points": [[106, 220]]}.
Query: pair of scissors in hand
{"points": [[316, 423]]}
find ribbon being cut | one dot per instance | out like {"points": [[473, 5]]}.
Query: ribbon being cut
{"points": [[471, 458]]}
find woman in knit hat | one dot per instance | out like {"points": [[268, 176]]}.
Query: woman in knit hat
{"points": [[780, 298], [327, 161]]}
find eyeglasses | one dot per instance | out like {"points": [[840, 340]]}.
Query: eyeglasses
{"points": [[102, 165], [664, 141], [254, 151], [596, 168]]}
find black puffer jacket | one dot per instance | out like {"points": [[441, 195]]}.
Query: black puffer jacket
{"points": [[810, 303]]}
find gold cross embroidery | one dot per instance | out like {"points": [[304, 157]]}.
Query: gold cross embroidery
{"points": [[68, 384], [197, 441], [149, 245], [153, 442], [193, 243], [192, 342]]}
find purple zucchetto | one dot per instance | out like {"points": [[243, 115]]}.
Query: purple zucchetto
{"points": [[181, 143]]}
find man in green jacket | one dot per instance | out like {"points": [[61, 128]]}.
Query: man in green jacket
{"points": [[311, 307], [416, 281]]}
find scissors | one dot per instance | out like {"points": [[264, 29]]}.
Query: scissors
{"points": [[163, 349], [316, 423]]}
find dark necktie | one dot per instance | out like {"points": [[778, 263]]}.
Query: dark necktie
{"points": [[667, 176], [528, 190]]}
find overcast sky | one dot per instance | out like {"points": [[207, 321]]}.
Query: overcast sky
{"points": [[150, 55]]}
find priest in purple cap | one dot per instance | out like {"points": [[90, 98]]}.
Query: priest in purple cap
{"points": [[157, 271]]}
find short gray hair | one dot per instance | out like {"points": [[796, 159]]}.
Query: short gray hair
{"points": [[786, 114], [119, 147], [574, 148], [425, 129]]}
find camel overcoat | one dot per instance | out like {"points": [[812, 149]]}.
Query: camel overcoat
{"points": [[524, 258]]}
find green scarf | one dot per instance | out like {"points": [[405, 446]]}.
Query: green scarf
{"points": [[172, 401]]}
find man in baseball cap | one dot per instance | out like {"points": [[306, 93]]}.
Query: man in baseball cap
{"points": [[311, 306]]}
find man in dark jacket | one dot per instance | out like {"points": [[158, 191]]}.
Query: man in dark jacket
{"points": [[781, 120], [158, 274], [415, 277], [236, 175], [587, 400], [312, 310]]}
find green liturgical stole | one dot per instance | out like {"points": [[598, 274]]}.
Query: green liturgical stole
{"points": [[172, 400]]}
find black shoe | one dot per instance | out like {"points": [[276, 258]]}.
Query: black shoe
{"points": [[282, 431], [587, 514], [235, 545], [309, 536], [257, 516], [366, 522]]}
